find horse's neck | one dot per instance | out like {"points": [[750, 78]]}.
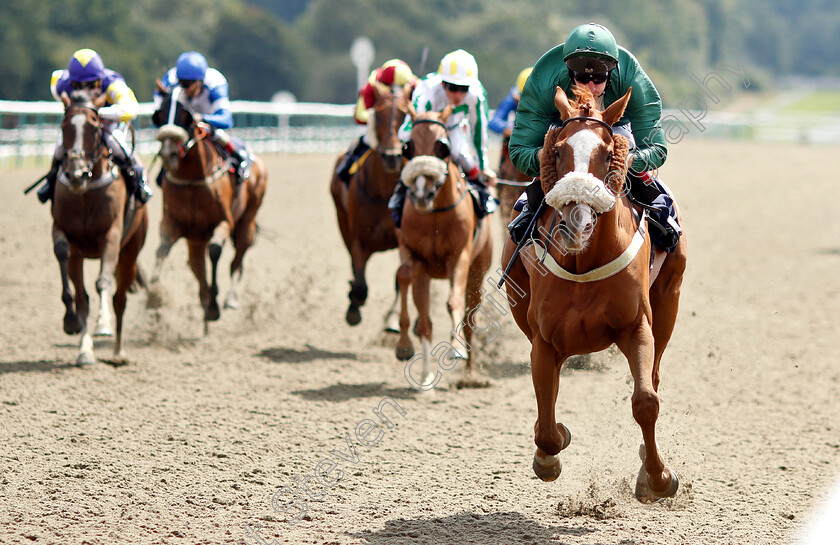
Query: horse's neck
{"points": [[199, 160], [377, 181]]}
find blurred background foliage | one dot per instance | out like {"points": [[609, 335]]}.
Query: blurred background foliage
{"points": [[301, 46]]}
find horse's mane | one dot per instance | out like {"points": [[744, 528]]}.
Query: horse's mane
{"points": [[585, 104]]}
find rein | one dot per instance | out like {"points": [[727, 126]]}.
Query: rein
{"points": [[431, 122]]}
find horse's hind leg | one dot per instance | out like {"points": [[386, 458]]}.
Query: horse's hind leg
{"points": [[665, 303], [127, 273], [243, 238], [73, 323], [392, 317], [77, 276], [168, 236], [637, 346], [105, 283]]}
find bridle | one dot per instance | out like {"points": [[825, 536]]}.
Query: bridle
{"points": [[79, 152], [464, 190], [585, 119]]}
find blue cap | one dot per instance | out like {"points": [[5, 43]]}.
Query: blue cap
{"points": [[191, 66]]}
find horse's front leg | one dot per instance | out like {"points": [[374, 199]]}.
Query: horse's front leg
{"points": [[420, 292], [549, 436], [77, 277], [214, 250], [655, 480], [405, 349], [392, 317], [73, 323], [106, 282], [455, 305], [358, 286], [197, 251]]}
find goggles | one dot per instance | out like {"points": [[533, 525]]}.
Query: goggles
{"points": [[594, 78], [452, 88]]}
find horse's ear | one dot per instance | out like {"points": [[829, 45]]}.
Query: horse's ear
{"points": [[65, 100], [561, 101], [411, 111], [444, 115], [612, 114], [159, 86], [100, 101]]}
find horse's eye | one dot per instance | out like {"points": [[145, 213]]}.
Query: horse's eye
{"points": [[609, 158]]}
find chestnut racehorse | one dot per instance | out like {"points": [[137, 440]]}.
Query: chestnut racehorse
{"points": [[440, 237], [203, 203], [362, 205], [584, 283], [93, 218]]}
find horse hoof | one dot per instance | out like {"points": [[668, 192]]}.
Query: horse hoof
{"points": [[213, 313], [392, 324], [645, 494], [405, 353], [103, 331], [85, 359], [567, 435], [456, 354], [155, 297], [354, 316], [72, 324], [547, 467], [672, 487], [231, 302]]}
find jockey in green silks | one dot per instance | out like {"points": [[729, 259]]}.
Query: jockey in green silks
{"points": [[591, 57]]}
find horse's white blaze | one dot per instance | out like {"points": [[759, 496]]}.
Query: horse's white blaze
{"points": [[78, 121], [583, 143], [580, 185], [420, 184]]}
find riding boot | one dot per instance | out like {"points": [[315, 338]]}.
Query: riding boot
{"points": [[46, 191], [648, 191], [487, 203], [243, 168], [353, 154], [135, 181], [518, 228], [395, 204]]}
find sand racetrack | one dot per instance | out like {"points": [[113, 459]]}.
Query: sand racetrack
{"points": [[190, 442]]}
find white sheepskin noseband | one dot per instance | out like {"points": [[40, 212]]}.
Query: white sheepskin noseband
{"points": [[581, 187], [172, 131], [424, 165]]}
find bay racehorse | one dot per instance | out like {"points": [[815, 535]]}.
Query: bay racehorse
{"points": [[362, 205], [203, 203], [440, 237], [583, 281], [93, 218]]}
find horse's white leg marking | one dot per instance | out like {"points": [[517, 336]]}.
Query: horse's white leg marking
{"points": [[427, 374], [86, 356]]}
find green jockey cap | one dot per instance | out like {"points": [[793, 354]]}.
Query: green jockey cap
{"points": [[590, 48]]}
